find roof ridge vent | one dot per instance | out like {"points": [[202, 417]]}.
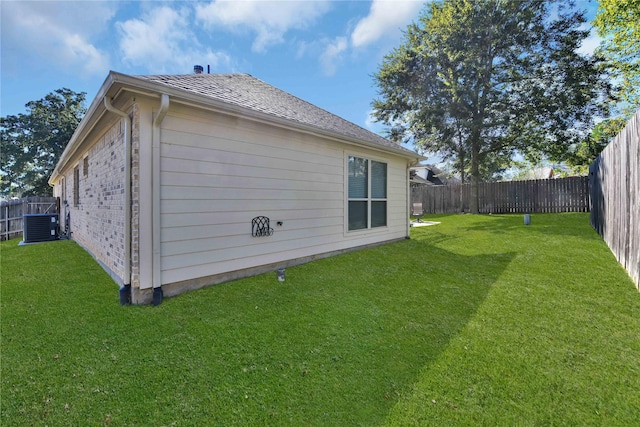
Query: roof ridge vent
{"points": [[198, 69]]}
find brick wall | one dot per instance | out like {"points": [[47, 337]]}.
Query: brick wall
{"points": [[97, 217]]}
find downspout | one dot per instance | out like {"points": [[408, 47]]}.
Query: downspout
{"points": [[157, 271], [125, 291]]}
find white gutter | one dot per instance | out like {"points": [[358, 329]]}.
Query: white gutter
{"points": [[86, 125], [115, 83], [157, 122], [127, 188]]}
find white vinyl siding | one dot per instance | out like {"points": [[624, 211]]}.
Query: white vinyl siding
{"points": [[218, 172]]}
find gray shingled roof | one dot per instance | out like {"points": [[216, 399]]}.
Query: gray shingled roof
{"points": [[247, 91]]}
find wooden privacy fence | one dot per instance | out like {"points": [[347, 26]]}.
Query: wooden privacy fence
{"points": [[615, 195], [534, 196], [11, 212]]}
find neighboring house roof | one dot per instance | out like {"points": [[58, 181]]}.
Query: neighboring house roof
{"points": [[432, 175], [545, 172], [240, 94], [414, 178]]}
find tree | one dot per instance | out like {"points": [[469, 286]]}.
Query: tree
{"points": [[31, 143], [618, 23], [478, 80], [591, 147]]}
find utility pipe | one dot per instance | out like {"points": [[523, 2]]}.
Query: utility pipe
{"points": [[408, 204], [157, 122], [127, 191]]}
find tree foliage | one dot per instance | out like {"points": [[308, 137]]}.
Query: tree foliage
{"points": [[590, 148], [618, 23], [478, 80], [31, 143]]}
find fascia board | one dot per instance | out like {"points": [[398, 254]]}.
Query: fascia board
{"points": [[135, 84], [89, 121], [117, 83]]}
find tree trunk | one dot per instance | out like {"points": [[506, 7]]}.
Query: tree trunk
{"points": [[462, 179], [473, 202], [475, 171]]}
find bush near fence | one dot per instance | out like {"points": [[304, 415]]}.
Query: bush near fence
{"points": [[11, 212], [615, 194], [533, 196]]}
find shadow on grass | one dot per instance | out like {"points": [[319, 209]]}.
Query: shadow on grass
{"points": [[338, 343], [343, 338]]}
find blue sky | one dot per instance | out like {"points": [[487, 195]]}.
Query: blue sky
{"points": [[321, 51]]}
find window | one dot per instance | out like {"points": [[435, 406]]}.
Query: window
{"points": [[367, 193], [76, 186], [85, 167], [63, 190]]}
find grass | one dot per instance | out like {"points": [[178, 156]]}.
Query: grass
{"points": [[476, 321]]}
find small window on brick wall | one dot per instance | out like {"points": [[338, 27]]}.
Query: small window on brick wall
{"points": [[76, 186], [85, 167], [63, 190]]}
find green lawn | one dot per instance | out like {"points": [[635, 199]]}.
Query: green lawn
{"points": [[477, 321]]}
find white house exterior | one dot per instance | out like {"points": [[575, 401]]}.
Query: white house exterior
{"points": [[431, 175], [164, 175]]}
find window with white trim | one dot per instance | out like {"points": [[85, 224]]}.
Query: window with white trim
{"points": [[367, 193]]}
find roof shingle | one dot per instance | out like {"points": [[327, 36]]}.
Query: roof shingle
{"points": [[249, 92]]}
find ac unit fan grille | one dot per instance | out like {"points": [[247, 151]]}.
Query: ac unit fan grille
{"points": [[40, 228]]}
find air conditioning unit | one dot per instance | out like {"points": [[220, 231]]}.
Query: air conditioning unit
{"points": [[40, 227]]}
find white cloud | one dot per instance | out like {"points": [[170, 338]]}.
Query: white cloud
{"points": [[590, 44], [78, 51], [154, 38], [163, 41], [371, 122], [332, 54], [302, 48], [270, 20], [385, 17], [375, 126], [56, 34]]}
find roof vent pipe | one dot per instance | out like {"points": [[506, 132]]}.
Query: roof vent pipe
{"points": [[198, 69]]}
